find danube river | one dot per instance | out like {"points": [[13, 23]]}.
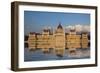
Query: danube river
{"points": [[39, 55]]}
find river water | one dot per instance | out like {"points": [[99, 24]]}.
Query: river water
{"points": [[39, 55]]}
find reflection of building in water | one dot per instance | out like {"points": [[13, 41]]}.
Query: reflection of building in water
{"points": [[58, 40]]}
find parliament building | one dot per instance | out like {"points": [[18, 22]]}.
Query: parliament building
{"points": [[58, 39]]}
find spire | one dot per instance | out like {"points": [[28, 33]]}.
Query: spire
{"points": [[59, 26]]}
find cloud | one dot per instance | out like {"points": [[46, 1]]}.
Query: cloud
{"points": [[86, 28], [78, 28]]}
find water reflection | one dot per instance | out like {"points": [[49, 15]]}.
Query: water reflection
{"points": [[39, 54]]}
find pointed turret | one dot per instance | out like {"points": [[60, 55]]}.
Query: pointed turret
{"points": [[59, 26]]}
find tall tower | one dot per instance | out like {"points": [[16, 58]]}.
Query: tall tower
{"points": [[73, 40], [46, 32], [45, 39], [32, 40], [59, 40], [85, 40]]}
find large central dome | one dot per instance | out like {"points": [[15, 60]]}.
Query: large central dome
{"points": [[59, 26]]}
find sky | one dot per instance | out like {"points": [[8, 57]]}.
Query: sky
{"points": [[36, 21]]}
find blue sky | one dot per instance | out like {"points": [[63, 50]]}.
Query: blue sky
{"points": [[35, 21]]}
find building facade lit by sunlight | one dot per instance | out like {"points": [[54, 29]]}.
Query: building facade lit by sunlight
{"points": [[58, 40]]}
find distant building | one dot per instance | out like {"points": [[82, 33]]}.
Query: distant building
{"points": [[58, 40]]}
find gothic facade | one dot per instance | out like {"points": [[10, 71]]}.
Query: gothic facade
{"points": [[58, 40]]}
